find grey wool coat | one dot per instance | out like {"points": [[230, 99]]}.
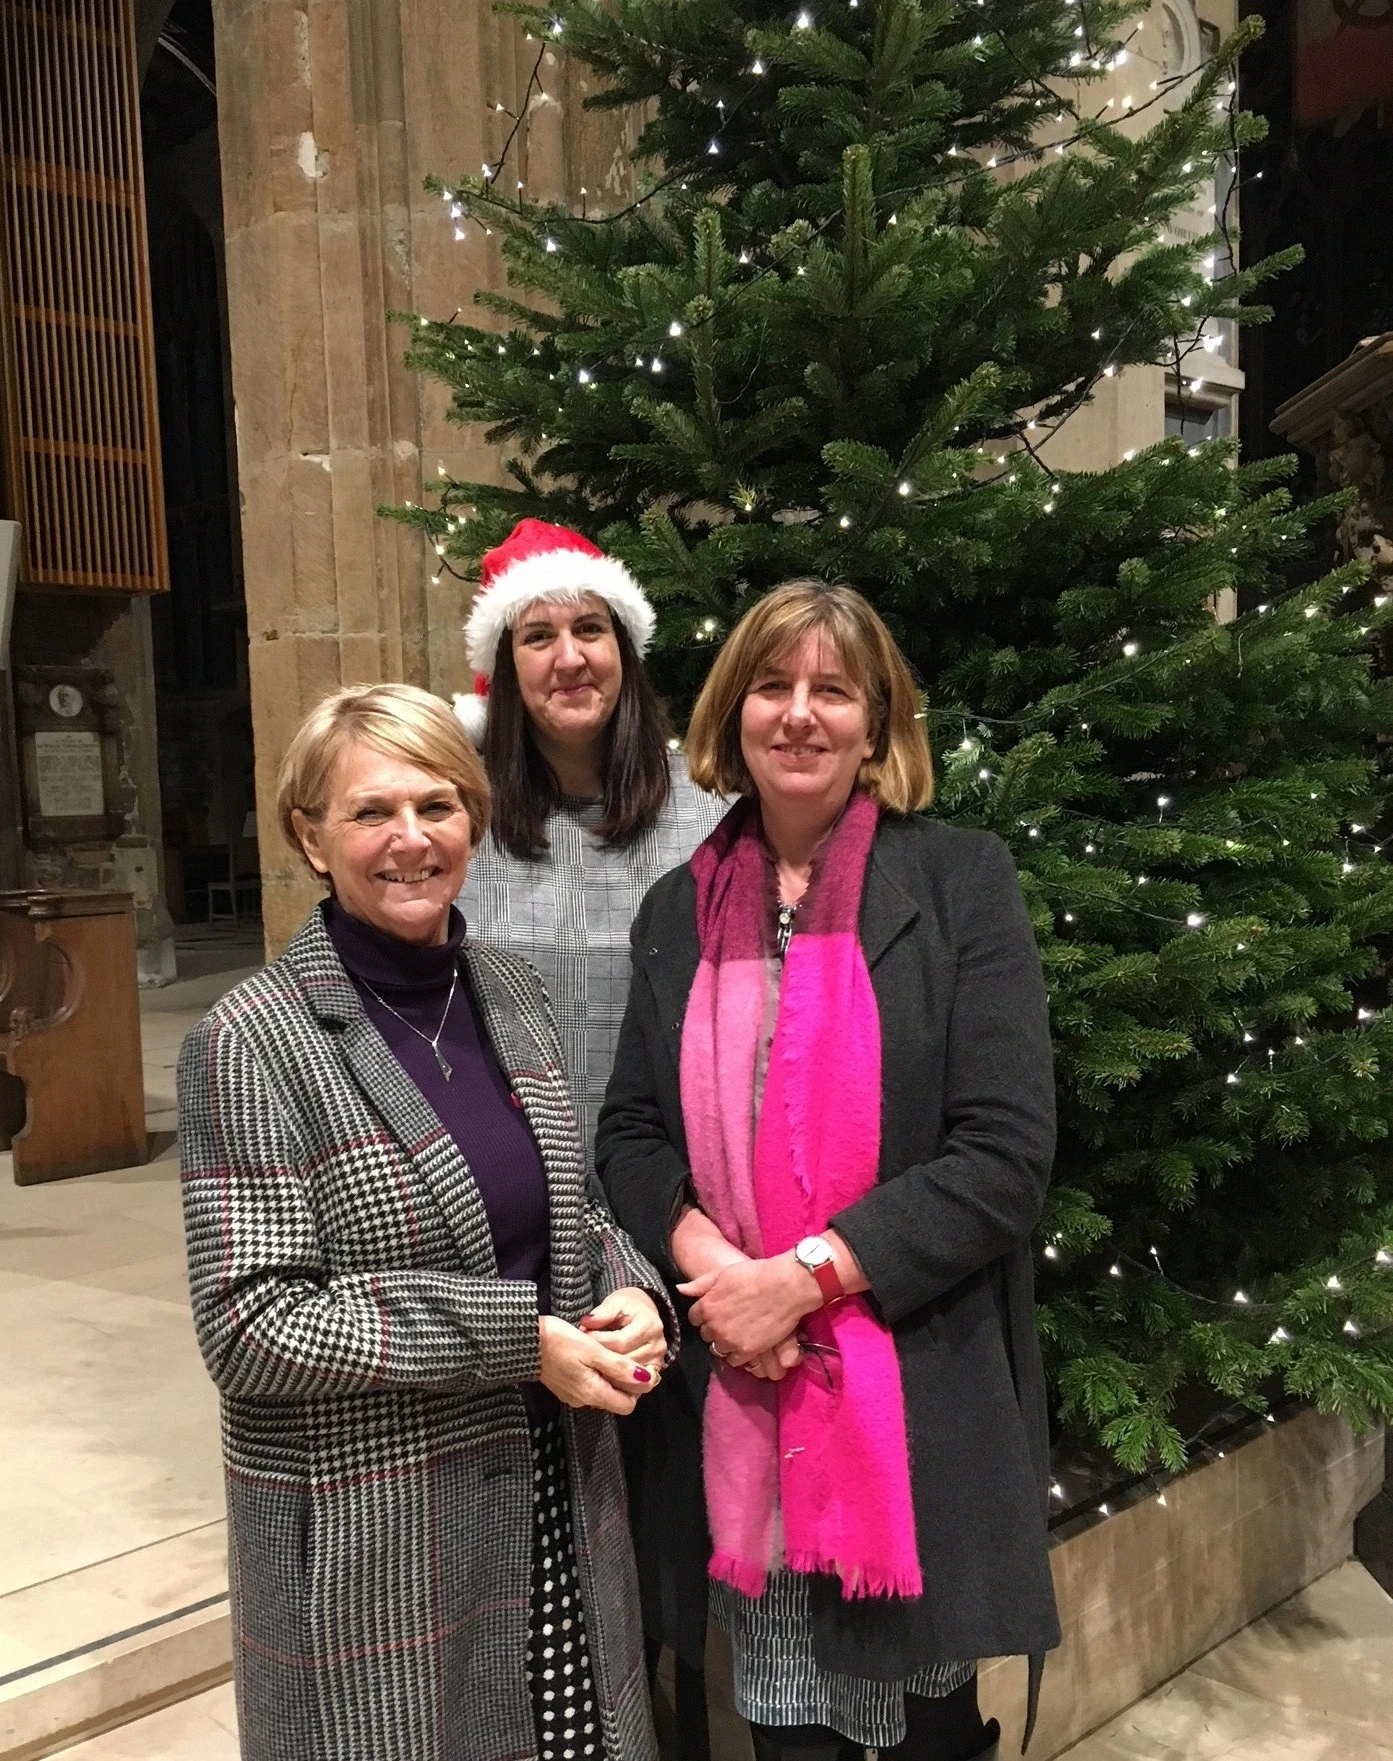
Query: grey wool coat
{"points": [[377, 1448], [967, 1139]]}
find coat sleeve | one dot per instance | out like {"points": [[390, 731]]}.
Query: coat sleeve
{"points": [[615, 1263], [273, 1321], [645, 1173], [922, 1231]]}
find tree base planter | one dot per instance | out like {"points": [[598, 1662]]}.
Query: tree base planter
{"points": [[1146, 1590]]}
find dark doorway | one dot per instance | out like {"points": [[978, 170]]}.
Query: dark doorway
{"points": [[1327, 187], [200, 627]]}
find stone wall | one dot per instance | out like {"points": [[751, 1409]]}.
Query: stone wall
{"points": [[330, 118]]}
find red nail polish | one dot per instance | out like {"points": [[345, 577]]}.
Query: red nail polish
{"points": [[642, 1375]]}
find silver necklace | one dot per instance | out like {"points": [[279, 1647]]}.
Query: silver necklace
{"points": [[434, 1044]]}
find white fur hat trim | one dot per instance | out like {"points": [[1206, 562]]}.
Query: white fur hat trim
{"points": [[565, 576]]}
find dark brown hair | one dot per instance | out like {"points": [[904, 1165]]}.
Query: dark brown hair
{"points": [[634, 760]]}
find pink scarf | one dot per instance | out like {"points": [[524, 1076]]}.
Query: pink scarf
{"points": [[811, 1473]]}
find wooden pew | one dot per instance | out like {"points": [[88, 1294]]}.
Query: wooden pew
{"points": [[70, 1032]]}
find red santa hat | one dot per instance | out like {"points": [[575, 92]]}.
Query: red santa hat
{"points": [[538, 561]]}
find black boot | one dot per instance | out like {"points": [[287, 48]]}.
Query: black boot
{"points": [[946, 1728], [990, 1750], [802, 1742]]}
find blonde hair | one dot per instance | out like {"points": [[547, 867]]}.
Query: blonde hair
{"points": [[899, 772], [400, 720]]}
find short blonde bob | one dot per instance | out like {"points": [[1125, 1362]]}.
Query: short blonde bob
{"points": [[898, 774], [400, 720]]}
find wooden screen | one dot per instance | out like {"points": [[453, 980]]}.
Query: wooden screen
{"points": [[79, 433]]}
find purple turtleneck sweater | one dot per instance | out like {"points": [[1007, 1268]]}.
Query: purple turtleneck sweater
{"points": [[475, 1106]]}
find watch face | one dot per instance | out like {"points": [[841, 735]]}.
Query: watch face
{"points": [[812, 1252]]}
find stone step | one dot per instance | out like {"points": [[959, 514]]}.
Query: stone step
{"points": [[98, 1647], [201, 1729]]}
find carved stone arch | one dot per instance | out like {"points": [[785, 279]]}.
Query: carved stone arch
{"points": [[1181, 46]]}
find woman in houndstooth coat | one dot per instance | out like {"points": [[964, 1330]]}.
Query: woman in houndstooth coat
{"points": [[421, 1316]]}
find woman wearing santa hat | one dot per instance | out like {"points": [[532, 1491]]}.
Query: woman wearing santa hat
{"points": [[591, 805]]}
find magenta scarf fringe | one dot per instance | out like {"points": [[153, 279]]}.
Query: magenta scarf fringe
{"points": [[809, 1474]]}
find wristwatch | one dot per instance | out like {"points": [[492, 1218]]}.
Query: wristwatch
{"points": [[815, 1256]]}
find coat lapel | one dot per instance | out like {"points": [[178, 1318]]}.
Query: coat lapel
{"points": [[401, 1106], [670, 958], [887, 910]]}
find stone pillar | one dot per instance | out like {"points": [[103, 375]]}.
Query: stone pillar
{"points": [[330, 117]]}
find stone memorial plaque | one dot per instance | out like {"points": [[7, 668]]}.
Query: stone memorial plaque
{"points": [[69, 727], [69, 774]]}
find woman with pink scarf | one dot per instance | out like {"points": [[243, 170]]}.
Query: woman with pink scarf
{"points": [[831, 1121]]}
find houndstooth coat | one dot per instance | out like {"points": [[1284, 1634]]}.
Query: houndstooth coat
{"points": [[378, 1454]]}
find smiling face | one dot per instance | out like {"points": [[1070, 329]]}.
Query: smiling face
{"points": [[805, 728], [569, 670], [393, 841]]}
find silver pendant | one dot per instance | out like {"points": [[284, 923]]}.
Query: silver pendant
{"points": [[440, 1060]]}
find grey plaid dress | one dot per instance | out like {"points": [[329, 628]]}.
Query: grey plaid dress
{"points": [[568, 914], [381, 1477]]}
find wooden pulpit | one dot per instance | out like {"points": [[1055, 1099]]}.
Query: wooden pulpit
{"points": [[70, 1032]]}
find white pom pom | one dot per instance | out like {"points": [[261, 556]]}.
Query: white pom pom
{"points": [[473, 713]]}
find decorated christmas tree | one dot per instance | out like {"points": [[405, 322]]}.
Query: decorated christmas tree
{"points": [[879, 253]]}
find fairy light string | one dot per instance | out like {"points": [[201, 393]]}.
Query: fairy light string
{"points": [[1114, 1494], [728, 115], [1099, 60], [1029, 434]]}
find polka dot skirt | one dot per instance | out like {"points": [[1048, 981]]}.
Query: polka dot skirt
{"points": [[558, 1655]]}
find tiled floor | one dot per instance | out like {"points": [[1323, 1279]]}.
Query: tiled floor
{"points": [[1311, 1682], [201, 1729], [110, 1418], [111, 1446]]}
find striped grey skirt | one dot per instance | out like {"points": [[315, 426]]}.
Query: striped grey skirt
{"points": [[779, 1681]]}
